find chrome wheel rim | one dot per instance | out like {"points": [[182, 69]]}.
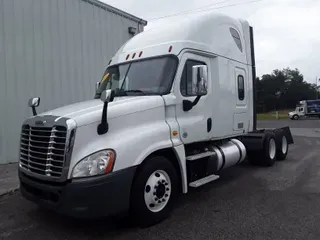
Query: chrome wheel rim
{"points": [[284, 145], [272, 148], [157, 191]]}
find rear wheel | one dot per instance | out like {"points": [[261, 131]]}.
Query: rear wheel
{"points": [[153, 191], [269, 150], [283, 148], [267, 155]]}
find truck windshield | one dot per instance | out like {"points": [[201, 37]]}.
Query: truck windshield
{"points": [[146, 77]]}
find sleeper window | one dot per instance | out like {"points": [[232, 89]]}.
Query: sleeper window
{"points": [[236, 38]]}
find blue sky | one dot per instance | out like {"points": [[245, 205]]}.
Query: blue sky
{"points": [[287, 32]]}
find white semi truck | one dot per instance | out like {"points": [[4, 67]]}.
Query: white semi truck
{"points": [[175, 107]]}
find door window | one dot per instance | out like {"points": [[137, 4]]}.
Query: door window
{"points": [[241, 88]]}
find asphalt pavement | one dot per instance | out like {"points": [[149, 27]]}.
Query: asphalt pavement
{"points": [[301, 123], [247, 202]]}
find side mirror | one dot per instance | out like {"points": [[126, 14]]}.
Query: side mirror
{"points": [[199, 86], [34, 102], [107, 96], [199, 80], [97, 85]]}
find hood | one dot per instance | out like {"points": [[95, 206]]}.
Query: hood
{"points": [[90, 111]]}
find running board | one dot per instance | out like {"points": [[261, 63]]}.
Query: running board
{"points": [[200, 155], [203, 181]]}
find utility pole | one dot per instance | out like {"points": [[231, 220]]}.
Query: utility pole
{"points": [[317, 87]]}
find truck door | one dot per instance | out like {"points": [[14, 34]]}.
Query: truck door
{"points": [[196, 124], [302, 111], [241, 116]]}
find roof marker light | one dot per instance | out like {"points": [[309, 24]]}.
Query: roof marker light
{"points": [[140, 54], [170, 48], [133, 55], [127, 56]]}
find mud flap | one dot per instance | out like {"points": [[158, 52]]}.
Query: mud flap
{"points": [[279, 132], [254, 140]]}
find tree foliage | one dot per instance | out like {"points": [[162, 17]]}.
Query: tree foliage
{"points": [[283, 89]]}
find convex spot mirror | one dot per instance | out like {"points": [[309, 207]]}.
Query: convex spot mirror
{"points": [[199, 80], [97, 85], [34, 102], [107, 96]]}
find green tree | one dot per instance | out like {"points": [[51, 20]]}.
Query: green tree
{"points": [[282, 89]]}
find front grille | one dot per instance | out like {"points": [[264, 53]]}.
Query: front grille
{"points": [[42, 149]]}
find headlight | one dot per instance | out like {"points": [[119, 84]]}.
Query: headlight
{"points": [[95, 164]]}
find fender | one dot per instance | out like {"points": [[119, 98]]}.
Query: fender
{"points": [[133, 137]]}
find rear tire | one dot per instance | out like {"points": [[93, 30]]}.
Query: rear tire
{"points": [[283, 148], [153, 192], [269, 150]]}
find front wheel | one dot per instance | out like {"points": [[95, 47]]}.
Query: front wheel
{"points": [[153, 191], [295, 117]]}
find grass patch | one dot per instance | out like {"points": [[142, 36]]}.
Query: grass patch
{"points": [[282, 114]]}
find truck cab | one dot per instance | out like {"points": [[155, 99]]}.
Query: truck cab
{"points": [[174, 108], [297, 113]]}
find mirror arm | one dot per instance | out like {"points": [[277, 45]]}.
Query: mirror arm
{"points": [[188, 105], [34, 112], [195, 102], [103, 127]]}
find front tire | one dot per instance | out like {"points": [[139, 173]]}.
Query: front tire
{"points": [[295, 117], [153, 191]]}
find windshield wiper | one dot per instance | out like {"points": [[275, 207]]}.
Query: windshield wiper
{"points": [[135, 91], [125, 92]]}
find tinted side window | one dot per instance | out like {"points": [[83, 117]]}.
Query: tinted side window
{"points": [[236, 38], [186, 77], [241, 87]]}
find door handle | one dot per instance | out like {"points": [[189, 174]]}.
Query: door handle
{"points": [[209, 124]]}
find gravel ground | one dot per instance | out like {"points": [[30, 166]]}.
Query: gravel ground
{"points": [[247, 202]]}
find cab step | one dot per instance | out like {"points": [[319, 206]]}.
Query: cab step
{"points": [[200, 155], [203, 181]]}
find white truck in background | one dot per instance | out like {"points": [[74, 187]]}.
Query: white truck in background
{"points": [[175, 107], [306, 108]]}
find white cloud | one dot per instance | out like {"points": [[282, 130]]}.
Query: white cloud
{"points": [[287, 32]]}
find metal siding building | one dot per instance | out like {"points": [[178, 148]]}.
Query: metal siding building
{"points": [[54, 49]]}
